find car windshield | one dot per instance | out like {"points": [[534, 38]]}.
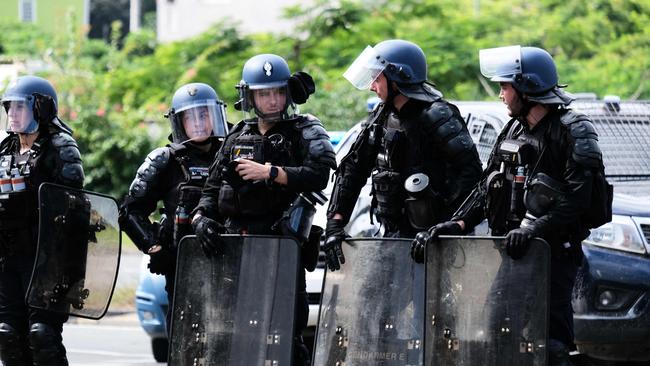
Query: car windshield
{"points": [[623, 136]]}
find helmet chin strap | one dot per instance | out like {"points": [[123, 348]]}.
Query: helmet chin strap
{"points": [[392, 93], [526, 106]]}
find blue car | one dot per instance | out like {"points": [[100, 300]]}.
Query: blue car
{"points": [[151, 305], [151, 298]]}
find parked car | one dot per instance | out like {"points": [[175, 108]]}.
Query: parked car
{"points": [[611, 298], [151, 298]]}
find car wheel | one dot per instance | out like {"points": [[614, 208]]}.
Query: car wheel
{"points": [[159, 347]]}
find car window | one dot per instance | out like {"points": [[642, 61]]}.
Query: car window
{"points": [[483, 132]]}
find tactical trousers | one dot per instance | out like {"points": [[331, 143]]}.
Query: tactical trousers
{"points": [[563, 275], [170, 279], [15, 274]]}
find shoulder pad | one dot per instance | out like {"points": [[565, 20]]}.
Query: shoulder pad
{"points": [[145, 178], [314, 132], [579, 125], [62, 139], [306, 120], [442, 122], [585, 148], [317, 139]]}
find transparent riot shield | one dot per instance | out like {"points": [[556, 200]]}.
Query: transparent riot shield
{"points": [[372, 309], [236, 308], [484, 308], [78, 253]]}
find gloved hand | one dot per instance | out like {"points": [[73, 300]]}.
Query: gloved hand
{"points": [[301, 86], [423, 238], [334, 236], [417, 246], [207, 231], [518, 241], [161, 262]]}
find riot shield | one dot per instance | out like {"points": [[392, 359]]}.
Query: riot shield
{"points": [[78, 253], [484, 308], [236, 308], [372, 309]]}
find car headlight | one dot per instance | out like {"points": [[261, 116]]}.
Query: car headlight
{"points": [[620, 234]]}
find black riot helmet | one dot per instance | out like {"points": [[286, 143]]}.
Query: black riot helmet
{"points": [[530, 70], [29, 102], [197, 113], [265, 73], [401, 61]]}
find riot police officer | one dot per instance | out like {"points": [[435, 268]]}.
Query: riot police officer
{"points": [[539, 181], [175, 175], [265, 162], [416, 145], [39, 148]]}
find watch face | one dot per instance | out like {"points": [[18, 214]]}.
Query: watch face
{"points": [[273, 173]]}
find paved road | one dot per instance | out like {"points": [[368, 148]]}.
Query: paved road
{"points": [[115, 339], [101, 344]]}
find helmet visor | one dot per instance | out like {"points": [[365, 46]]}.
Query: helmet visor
{"points": [[198, 121], [500, 62], [18, 115], [365, 69]]}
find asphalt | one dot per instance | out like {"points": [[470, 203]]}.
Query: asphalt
{"points": [[112, 318]]}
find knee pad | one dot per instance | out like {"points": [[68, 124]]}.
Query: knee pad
{"points": [[46, 345], [13, 346]]}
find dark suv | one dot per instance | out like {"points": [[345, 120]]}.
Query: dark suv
{"points": [[611, 297]]}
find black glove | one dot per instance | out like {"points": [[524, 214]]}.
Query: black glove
{"points": [[423, 238], [518, 241], [301, 86], [161, 262], [44, 108], [207, 231], [417, 246], [334, 236]]}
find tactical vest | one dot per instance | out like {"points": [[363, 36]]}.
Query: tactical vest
{"points": [[251, 199], [405, 151], [188, 191], [18, 199]]}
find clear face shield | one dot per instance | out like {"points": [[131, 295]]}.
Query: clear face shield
{"points": [[501, 64], [198, 121], [365, 69], [18, 115]]}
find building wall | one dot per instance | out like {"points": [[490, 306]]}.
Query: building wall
{"points": [[48, 14], [180, 19]]}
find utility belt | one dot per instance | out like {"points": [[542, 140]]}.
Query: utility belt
{"points": [[254, 199]]}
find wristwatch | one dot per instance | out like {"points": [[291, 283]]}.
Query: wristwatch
{"points": [[273, 173]]}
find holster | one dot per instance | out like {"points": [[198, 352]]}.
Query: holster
{"points": [[297, 220], [388, 195], [498, 202]]}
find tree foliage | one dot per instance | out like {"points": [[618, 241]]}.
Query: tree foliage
{"points": [[115, 93]]}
